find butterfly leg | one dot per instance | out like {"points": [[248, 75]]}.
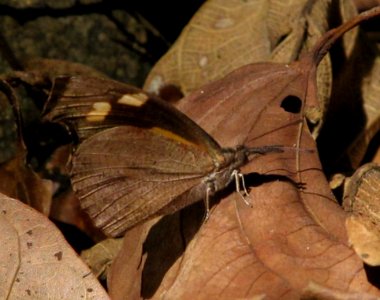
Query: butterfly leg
{"points": [[242, 190], [207, 203]]}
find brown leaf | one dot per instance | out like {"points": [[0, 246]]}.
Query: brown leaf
{"points": [[290, 238], [126, 270], [315, 291], [225, 35], [361, 199], [100, 256], [253, 31], [365, 239], [20, 181], [245, 252], [36, 260], [376, 158], [218, 31], [66, 208]]}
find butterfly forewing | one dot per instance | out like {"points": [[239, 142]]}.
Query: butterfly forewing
{"points": [[88, 105], [125, 175]]}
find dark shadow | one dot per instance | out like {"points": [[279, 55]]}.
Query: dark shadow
{"points": [[256, 179], [166, 242], [74, 236], [373, 275], [345, 118]]}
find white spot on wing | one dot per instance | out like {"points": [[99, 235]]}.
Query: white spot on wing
{"points": [[137, 99], [99, 111]]}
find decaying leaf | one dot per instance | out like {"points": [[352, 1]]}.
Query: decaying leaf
{"points": [[100, 256], [31, 245], [362, 201]]}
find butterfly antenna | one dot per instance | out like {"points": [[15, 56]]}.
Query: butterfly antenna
{"points": [[275, 149]]}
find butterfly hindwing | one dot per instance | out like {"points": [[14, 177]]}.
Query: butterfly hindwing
{"points": [[125, 175]]}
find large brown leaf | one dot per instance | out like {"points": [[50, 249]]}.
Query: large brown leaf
{"points": [[225, 35], [292, 242], [36, 261]]}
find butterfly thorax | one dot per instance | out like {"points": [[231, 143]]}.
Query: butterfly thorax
{"points": [[234, 158]]}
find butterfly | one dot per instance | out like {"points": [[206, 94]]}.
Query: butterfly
{"points": [[138, 156]]}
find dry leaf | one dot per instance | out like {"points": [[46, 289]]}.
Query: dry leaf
{"points": [[315, 291], [365, 239], [362, 200], [36, 260], [290, 239], [124, 278], [100, 256], [66, 208], [225, 35], [20, 181], [221, 36], [251, 254], [376, 158], [253, 31]]}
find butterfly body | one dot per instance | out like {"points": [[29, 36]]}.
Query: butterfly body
{"points": [[150, 175]]}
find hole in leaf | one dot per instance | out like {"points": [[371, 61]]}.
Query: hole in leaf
{"points": [[292, 104]]}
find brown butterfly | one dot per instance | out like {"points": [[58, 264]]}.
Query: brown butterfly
{"points": [[138, 156]]}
